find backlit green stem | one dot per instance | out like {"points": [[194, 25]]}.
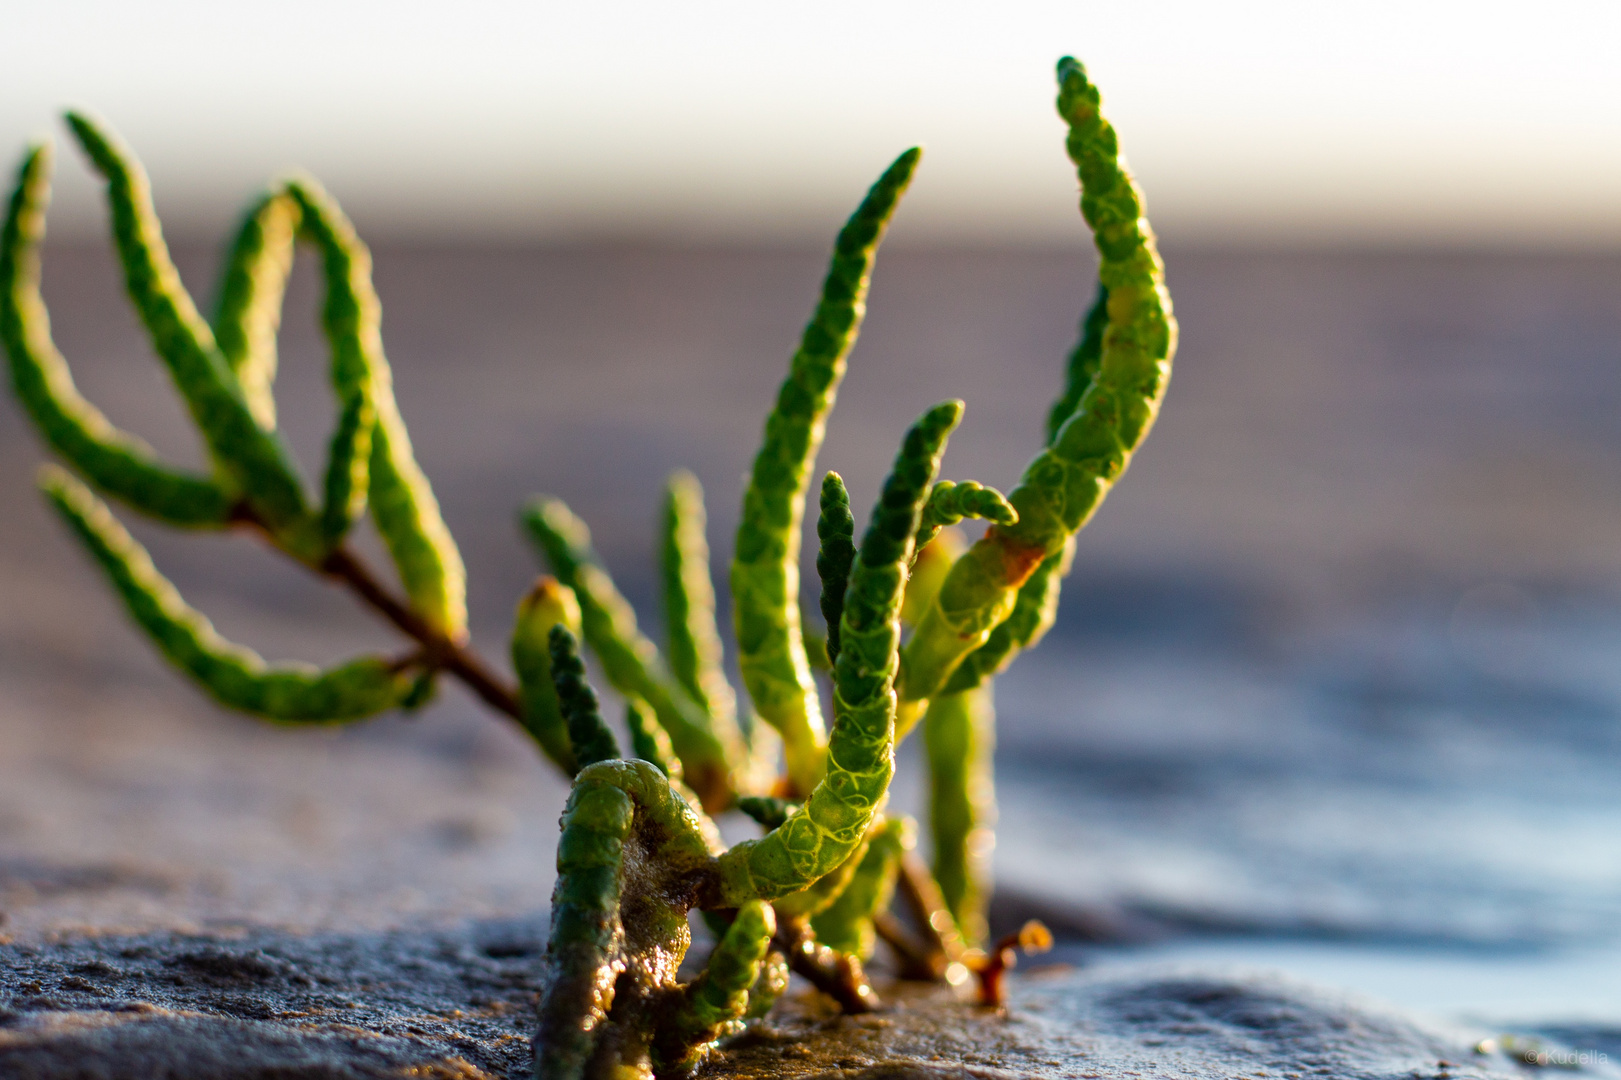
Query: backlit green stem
{"points": [[248, 313], [352, 318], [689, 605], [860, 758], [846, 924], [548, 603], [118, 463], [714, 1004], [233, 675], [1034, 610], [1084, 361], [649, 741], [836, 529], [371, 458], [630, 661], [959, 735], [821, 893], [255, 461], [630, 851], [765, 565], [1063, 486], [952, 501], [587, 732]]}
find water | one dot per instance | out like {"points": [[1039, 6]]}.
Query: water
{"points": [[1380, 815], [1573, 986], [1333, 688], [1376, 784]]}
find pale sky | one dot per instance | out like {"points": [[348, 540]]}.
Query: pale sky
{"points": [[1251, 122]]}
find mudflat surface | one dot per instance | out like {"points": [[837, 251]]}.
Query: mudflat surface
{"points": [[458, 1005], [1336, 660]]}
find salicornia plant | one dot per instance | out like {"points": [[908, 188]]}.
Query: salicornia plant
{"points": [[639, 851]]}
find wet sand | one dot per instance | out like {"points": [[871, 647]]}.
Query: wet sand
{"points": [[1364, 572]]}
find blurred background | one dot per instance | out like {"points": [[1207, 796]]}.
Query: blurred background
{"points": [[1334, 684]]}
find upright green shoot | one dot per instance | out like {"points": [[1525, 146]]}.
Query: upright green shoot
{"points": [[765, 566]]}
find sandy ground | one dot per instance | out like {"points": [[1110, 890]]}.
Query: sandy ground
{"points": [[1343, 433], [456, 1005], [1341, 430]]}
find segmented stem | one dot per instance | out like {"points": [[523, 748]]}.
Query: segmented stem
{"points": [[586, 930], [860, 757], [1065, 483], [1084, 361], [959, 737], [846, 925], [1034, 610], [383, 472], [630, 661], [548, 603], [233, 675], [695, 650], [630, 849], [352, 319], [714, 1003], [648, 741], [821, 893], [118, 463], [952, 501], [248, 312], [587, 732], [765, 566], [836, 529], [254, 459]]}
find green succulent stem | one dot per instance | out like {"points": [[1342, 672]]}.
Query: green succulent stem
{"points": [[860, 757], [1034, 610], [630, 859], [352, 319], [255, 462], [711, 756], [694, 644], [548, 603], [371, 459], [587, 732], [959, 735], [649, 741], [846, 925], [1064, 485], [248, 312], [765, 565], [117, 463], [821, 893], [952, 501], [836, 530], [1084, 361], [234, 676], [715, 1003]]}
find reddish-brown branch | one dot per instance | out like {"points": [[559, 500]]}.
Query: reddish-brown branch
{"points": [[439, 651], [838, 976], [1033, 937], [927, 906], [915, 960]]}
